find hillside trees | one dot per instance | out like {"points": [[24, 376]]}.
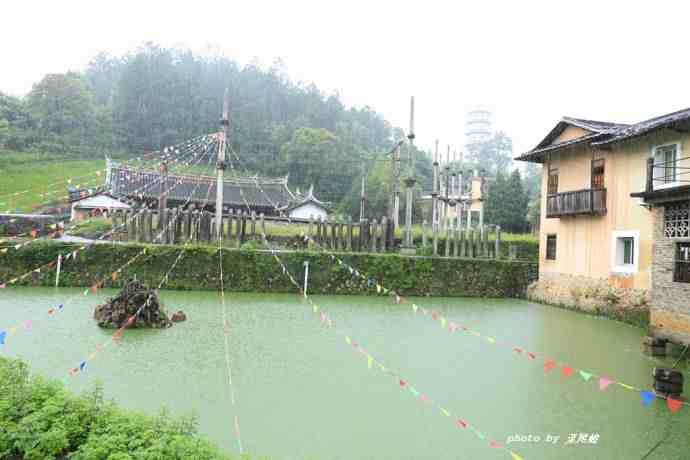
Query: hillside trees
{"points": [[506, 203]]}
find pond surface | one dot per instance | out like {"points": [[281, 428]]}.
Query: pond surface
{"points": [[303, 393]]}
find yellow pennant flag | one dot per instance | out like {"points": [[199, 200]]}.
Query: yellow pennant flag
{"points": [[315, 308], [415, 308], [370, 361], [445, 412], [92, 356], [491, 339], [515, 456], [382, 367], [626, 386], [443, 322], [348, 340], [378, 288], [12, 330]]}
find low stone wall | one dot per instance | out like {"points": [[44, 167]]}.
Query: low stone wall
{"points": [[595, 296], [257, 271]]}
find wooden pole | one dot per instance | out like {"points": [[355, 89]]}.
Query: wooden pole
{"points": [[408, 247], [497, 243], [363, 191], [220, 165], [306, 277], [59, 269]]}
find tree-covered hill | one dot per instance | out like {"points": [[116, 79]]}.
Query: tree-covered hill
{"points": [[155, 96]]}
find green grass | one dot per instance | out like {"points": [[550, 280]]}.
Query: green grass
{"points": [[33, 174]]}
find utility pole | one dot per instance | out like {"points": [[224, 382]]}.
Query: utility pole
{"points": [[408, 247], [220, 164]]}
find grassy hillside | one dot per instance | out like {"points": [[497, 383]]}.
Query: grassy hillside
{"points": [[45, 177]]}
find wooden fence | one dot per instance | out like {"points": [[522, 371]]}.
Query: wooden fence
{"points": [[179, 226]]}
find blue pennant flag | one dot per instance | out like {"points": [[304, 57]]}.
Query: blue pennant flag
{"points": [[3, 334], [82, 366], [647, 397], [61, 306]]}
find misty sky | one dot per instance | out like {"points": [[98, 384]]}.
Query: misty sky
{"points": [[529, 62]]}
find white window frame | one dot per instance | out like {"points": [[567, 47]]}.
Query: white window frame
{"points": [[626, 268], [679, 154]]}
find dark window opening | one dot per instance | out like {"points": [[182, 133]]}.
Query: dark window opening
{"points": [[681, 271], [550, 247], [553, 181], [598, 174]]}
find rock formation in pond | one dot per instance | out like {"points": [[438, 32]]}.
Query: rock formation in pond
{"points": [[178, 317], [135, 301]]}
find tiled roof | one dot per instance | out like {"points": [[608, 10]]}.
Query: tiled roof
{"points": [[602, 133], [258, 192], [646, 126]]}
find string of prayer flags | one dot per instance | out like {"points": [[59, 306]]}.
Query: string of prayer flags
{"points": [[549, 364], [423, 397]]}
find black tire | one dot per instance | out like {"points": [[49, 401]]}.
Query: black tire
{"points": [[667, 387], [667, 375]]}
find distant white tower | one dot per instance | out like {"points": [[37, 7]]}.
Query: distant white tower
{"points": [[478, 128]]}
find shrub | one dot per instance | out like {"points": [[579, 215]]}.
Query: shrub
{"points": [[39, 419]]}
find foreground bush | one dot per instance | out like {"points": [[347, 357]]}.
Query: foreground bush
{"points": [[39, 419]]}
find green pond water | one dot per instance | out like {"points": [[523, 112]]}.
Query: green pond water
{"points": [[303, 393]]}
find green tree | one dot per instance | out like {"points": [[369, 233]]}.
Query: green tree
{"points": [[506, 203], [62, 105]]}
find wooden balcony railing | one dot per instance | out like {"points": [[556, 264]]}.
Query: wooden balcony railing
{"points": [[579, 202], [665, 174]]}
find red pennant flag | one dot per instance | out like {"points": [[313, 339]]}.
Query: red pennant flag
{"points": [[532, 355], [424, 398], [674, 405], [51, 311], [434, 316], [3, 286], [402, 383], [549, 365], [567, 371], [34, 233], [517, 350], [94, 288], [462, 423], [495, 445]]}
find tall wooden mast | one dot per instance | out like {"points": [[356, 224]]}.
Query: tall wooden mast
{"points": [[220, 164]]}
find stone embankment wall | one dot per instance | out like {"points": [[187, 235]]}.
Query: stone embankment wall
{"points": [[595, 296], [257, 271]]}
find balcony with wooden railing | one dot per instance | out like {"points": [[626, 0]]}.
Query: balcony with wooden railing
{"points": [[590, 201], [666, 181]]}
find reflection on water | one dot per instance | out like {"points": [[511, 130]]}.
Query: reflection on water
{"points": [[302, 392]]}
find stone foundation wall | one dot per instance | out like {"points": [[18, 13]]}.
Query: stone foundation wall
{"points": [[592, 295], [670, 302]]}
